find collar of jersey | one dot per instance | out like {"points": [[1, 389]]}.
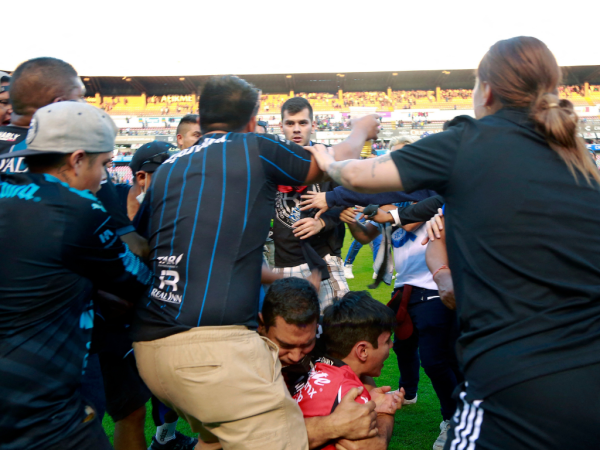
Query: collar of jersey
{"points": [[85, 193]]}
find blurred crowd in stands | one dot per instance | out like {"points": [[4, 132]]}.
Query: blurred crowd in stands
{"points": [[177, 105]]}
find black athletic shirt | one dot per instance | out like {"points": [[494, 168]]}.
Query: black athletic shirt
{"points": [[57, 244], [523, 245], [288, 249], [12, 138], [210, 208]]}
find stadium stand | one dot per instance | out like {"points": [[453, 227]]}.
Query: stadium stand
{"points": [[121, 174]]}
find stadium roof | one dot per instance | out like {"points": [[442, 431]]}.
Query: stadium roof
{"points": [[316, 82]]}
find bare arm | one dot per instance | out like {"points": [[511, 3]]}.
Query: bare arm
{"points": [[137, 244], [369, 175], [363, 234], [436, 257], [363, 129]]}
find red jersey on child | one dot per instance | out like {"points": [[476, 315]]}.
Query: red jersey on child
{"points": [[327, 384]]}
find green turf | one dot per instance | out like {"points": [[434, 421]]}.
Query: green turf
{"points": [[417, 426]]}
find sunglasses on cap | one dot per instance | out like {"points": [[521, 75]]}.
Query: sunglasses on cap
{"points": [[262, 123], [156, 159]]}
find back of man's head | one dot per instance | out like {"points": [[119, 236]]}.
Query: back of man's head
{"points": [[294, 105], [293, 299], [227, 103], [39, 82], [354, 318]]}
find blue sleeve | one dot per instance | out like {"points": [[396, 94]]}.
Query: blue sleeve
{"points": [[92, 249], [284, 161], [345, 197], [112, 199]]}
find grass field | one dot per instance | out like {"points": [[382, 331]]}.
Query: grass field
{"points": [[417, 426]]}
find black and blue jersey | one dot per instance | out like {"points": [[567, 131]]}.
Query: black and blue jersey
{"points": [[57, 245], [209, 212]]}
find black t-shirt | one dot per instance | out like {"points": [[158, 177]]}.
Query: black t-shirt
{"points": [[288, 249], [209, 213], [523, 246], [57, 245], [12, 139]]}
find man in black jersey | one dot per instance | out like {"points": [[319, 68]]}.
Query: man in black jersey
{"points": [[210, 208], [303, 242], [61, 247]]}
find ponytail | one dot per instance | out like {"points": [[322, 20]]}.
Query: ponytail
{"points": [[523, 73], [556, 120]]}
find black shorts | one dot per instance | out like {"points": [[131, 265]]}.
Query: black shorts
{"points": [[125, 390], [88, 435], [557, 411]]}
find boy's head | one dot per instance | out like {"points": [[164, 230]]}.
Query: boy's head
{"points": [[357, 329], [289, 318]]}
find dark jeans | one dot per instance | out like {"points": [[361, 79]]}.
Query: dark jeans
{"points": [[434, 341]]}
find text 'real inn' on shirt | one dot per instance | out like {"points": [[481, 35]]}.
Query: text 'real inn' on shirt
{"points": [[57, 246], [209, 214], [523, 246]]}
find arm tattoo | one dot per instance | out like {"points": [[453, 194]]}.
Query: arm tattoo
{"points": [[381, 160], [335, 171]]}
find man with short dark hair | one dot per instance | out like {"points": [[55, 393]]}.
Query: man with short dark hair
{"points": [[46, 312], [188, 131], [209, 216], [35, 83], [43, 81], [290, 319], [357, 335], [302, 242], [5, 106]]}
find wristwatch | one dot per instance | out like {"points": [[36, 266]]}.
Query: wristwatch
{"points": [[396, 217]]}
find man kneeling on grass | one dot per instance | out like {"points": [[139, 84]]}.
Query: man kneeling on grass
{"points": [[289, 318], [356, 332]]}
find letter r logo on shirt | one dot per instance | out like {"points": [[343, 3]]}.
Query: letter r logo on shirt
{"points": [[163, 279]]}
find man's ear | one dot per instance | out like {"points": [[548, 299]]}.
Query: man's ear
{"points": [[76, 160], [141, 178], [262, 329], [313, 126], [361, 351], [251, 125]]}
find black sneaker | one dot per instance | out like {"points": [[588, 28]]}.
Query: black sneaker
{"points": [[181, 442]]}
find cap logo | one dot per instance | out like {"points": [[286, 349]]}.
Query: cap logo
{"points": [[32, 131]]}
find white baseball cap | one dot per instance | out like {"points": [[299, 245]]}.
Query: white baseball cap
{"points": [[65, 127]]}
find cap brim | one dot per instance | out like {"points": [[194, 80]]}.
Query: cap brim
{"points": [[28, 152], [148, 167]]}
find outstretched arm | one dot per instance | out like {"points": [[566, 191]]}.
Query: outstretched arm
{"points": [[363, 129], [369, 175]]}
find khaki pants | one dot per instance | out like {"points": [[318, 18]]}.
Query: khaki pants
{"points": [[227, 381]]}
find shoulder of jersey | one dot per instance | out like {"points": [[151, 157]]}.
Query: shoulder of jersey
{"points": [[77, 198]]}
